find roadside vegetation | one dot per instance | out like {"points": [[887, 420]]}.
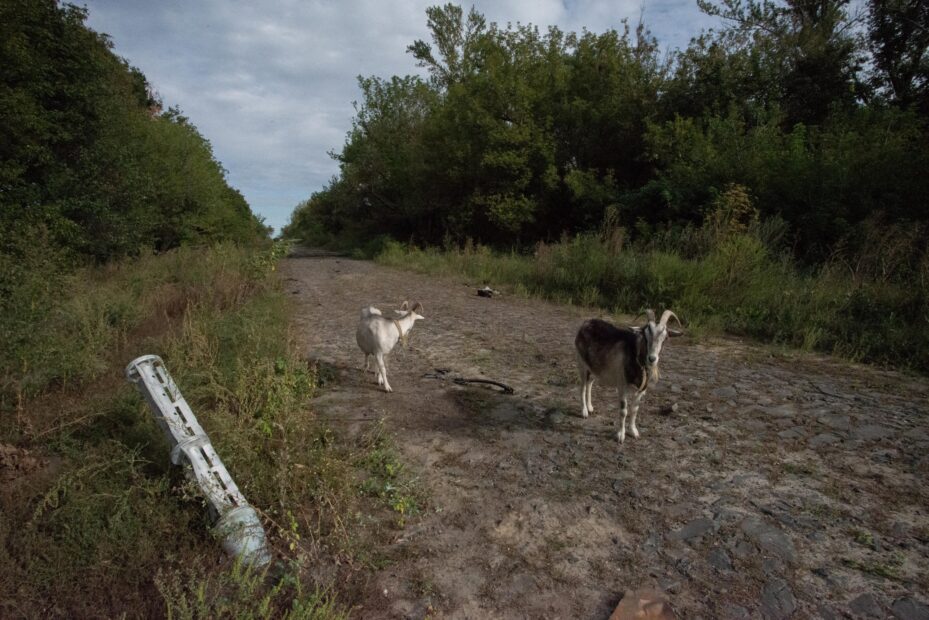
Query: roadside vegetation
{"points": [[97, 523], [766, 180], [731, 281], [121, 237]]}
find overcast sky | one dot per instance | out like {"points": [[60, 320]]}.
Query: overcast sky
{"points": [[270, 83]]}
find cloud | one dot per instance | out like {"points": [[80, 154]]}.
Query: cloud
{"points": [[271, 83]]}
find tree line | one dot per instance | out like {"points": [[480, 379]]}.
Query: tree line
{"points": [[817, 114], [91, 166]]}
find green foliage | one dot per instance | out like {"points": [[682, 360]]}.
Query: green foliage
{"points": [[88, 159], [825, 181], [241, 592], [386, 478], [519, 136], [105, 524], [61, 328], [899, 42]]}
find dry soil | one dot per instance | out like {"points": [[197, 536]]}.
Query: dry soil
{"points": [[780, 485]]}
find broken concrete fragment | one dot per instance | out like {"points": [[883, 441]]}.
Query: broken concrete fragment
{"points": [[643, 605]]}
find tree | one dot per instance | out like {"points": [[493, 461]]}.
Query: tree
{"points": [[898, 33], [806, 46], [454, 38]]}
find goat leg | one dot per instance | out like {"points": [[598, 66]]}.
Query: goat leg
{"points": [[635, 412], [590, 389], [383, 371], [624, 409]]}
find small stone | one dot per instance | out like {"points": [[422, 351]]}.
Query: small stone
{"points": [[694, 529], [719, 559], [777, 600], [834, 421], [755, 426], [871, 432], [907, 608], [725, 393], [743, 550], [679, 510], [866, 605], [780, 411], [826, 613], [823, 439], [734, 612], [791, 433], [770, 538], [772, 567]]}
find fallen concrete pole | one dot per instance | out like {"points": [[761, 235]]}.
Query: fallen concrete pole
{"points": [[236, 521]]}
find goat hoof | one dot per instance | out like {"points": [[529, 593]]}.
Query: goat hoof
{"points": [[584, 414], [635, 432], [621, 436]]}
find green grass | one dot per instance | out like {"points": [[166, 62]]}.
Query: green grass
{"points": [[100, 524], [386, 477], [737, 285]]}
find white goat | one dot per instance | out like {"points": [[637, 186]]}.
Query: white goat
{"points": [[377, 335], [622, 357]]}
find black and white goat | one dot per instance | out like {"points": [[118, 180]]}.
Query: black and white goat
{"points": [[622, 357], [377, 335]]}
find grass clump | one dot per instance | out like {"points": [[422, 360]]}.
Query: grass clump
{"points": [[386, 477], [866, 304]]}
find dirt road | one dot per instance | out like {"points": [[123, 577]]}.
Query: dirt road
{"points": [[780, 486]]}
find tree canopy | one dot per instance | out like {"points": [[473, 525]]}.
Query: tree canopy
{"points": [[515, 135], [89, 161]]}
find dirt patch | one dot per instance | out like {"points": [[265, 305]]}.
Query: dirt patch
{"points": [[780, 485]]}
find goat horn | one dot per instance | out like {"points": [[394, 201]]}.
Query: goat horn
{"points": [[418, 307], [666, 315]]}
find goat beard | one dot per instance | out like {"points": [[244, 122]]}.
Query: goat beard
{"points": [[653, 374]]}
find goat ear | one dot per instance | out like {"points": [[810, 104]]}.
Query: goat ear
{"points": [[675, 332], [404, 305], [418, 308]]}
